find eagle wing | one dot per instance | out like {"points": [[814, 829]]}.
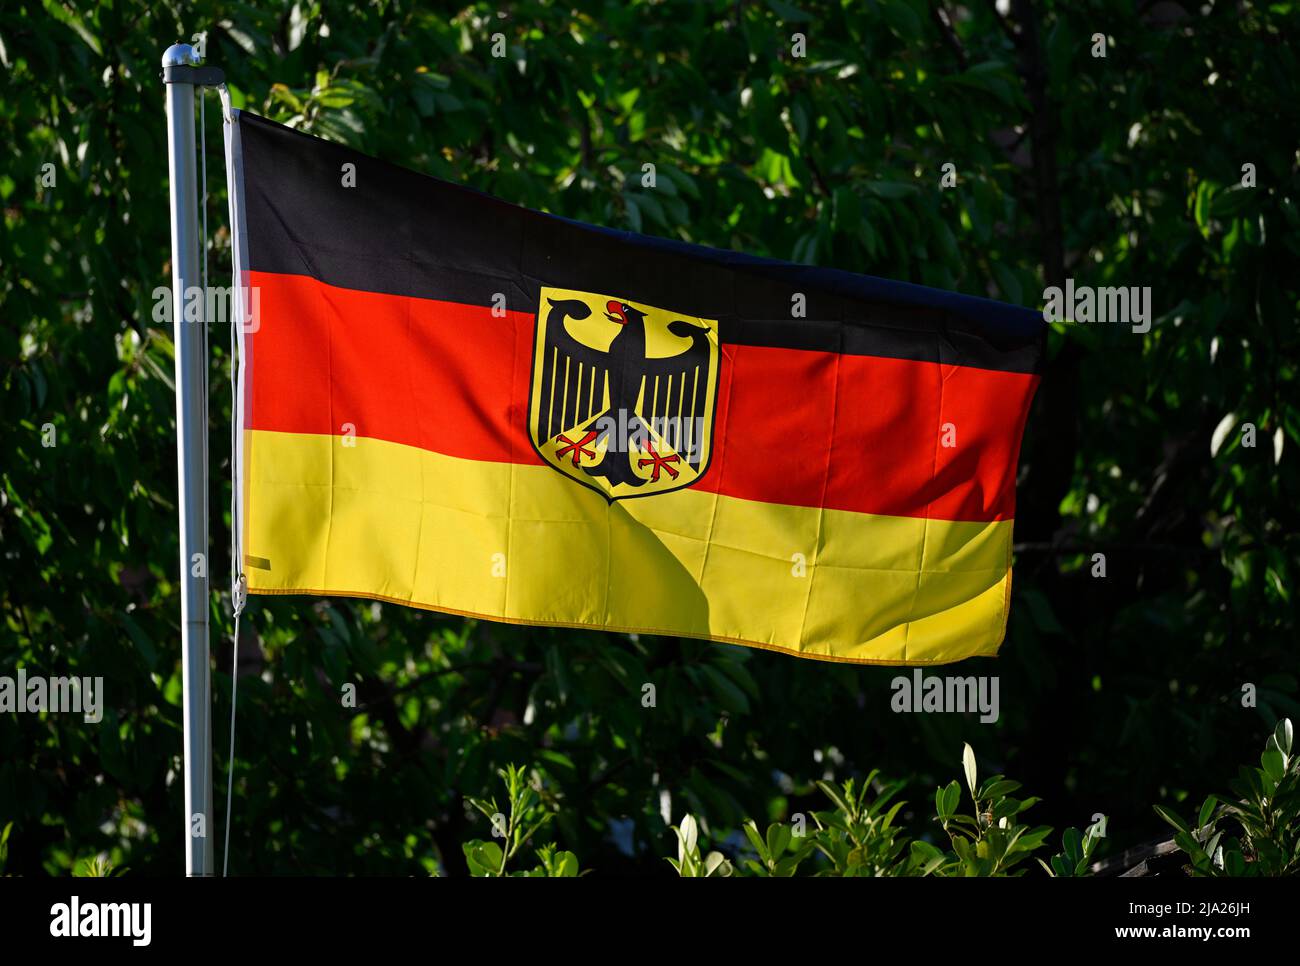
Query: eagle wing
{"points": [[572, 374], [677, 388]]}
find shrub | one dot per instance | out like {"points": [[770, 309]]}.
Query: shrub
{"points": [[1266, 809]]}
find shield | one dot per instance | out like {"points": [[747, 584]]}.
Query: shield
{"points": [[623, 393]]}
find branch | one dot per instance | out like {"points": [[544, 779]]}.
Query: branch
{"points": [[943, 20]]}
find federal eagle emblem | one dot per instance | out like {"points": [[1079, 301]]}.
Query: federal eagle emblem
{"points": [[623, 393]]}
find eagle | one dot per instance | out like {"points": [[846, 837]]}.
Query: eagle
{"points": [[576, 379]]}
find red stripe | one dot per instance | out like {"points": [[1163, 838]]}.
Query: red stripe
{"points": [[454, 379], [438, 375], [885, 446]]}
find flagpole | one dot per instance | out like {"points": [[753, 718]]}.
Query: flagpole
{"points": [[191, 460]]}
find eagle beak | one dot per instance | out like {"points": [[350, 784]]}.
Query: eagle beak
{"points": [[614, 312]]}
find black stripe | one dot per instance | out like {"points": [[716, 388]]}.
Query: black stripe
{"points": [[402, 233]]}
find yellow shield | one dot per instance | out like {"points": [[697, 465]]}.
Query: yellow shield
{"points": [[623, 393]]}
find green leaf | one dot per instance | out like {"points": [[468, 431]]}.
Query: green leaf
{"points": [[833, 793], [1172, 818], [968, 764], [690, 833], [730, 697], [568, 865], [1274, 765], [1282, 736], [778, 837], [1213, 844], [62, 13], [1028, 841], [787, 866], [1227, 204], [951, 798], [1072, 842], [483, 858], [1207, 809], [926, 858], [998, 789], [492, 853], [1221, 432]]}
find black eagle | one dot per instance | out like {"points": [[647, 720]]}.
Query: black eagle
{"points": [[574, 377]]}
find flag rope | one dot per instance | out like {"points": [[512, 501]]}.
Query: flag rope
{"points": [[238, 595], [203, 211]]}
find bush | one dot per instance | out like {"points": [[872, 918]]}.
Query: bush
{"points": [[859, 835], [1266, 809]]}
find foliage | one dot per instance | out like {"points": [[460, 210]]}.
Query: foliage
{"points": [[524, 815], [859, 836], [775, 857], [689, 862], [95, 867], [1116, 691], [1266, 809], [991, 841], [1078, 848]]}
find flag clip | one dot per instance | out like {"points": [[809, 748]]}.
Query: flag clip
{"points": [[239, 593]]}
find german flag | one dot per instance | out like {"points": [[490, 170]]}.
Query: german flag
{"points": [[455, 403]]}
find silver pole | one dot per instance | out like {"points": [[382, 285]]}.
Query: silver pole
{"points": [[191, 467]]}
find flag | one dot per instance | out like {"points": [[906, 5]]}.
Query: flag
{"points": [[455, 403]]}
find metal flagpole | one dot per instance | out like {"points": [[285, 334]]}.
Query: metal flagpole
{"points": [[180, 75]]}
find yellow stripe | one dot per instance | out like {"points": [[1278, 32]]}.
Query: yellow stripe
{"points": [[396, 523]]}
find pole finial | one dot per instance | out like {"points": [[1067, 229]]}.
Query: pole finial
{"points": [[180, 55], [181, 65]]}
